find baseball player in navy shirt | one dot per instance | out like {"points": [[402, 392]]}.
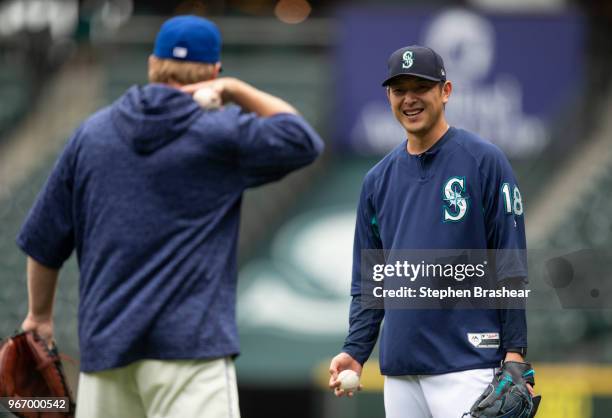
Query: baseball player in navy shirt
{"points": [[148, 191], [442, 188]]}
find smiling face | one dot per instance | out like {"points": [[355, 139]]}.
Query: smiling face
{"points": [[418, 104]]}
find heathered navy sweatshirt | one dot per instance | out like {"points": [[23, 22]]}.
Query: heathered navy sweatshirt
{"points": [[148, 191]]}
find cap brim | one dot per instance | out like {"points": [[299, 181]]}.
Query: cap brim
{"points": [[426, 77]]}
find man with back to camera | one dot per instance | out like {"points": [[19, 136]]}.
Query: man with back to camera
{"points": [[148, 191], [431, 369]]}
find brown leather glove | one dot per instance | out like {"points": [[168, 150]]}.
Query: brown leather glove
{"points": [[28, 368]]}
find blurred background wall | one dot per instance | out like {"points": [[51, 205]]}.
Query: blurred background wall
{"points": [[530, 75]]}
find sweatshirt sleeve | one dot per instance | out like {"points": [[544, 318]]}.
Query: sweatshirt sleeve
{"points": [[364, 323], [271, 147], [503, 208], [505, 223], [47, 235]]}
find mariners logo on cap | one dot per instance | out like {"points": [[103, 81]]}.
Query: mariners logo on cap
{"points": [[407, 59]]}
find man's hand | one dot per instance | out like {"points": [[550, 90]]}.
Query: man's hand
{"points": [[231, 89], [520, 359], [507, 394], [43, 327], [223, 86], [342, 361]]}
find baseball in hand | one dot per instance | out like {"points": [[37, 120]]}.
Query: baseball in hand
{"points": [[349, 380], [207, 98]]}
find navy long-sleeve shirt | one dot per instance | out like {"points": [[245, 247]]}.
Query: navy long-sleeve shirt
{"points": [[148, 191], [460, 194]]}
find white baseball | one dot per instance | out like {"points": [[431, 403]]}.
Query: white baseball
{"points": [[207, 98], [349, 380]]}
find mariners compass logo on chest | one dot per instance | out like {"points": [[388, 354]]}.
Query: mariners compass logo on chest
{"points": [[455, 201]]}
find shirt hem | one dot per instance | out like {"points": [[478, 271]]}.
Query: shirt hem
{"points": [[88, 367], [405, 372]]}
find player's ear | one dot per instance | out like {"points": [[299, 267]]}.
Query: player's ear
{"points": [[447, 89], [152, 68], [216, 70], [152, 60]]}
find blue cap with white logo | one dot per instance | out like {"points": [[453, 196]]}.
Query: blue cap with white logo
{"points": [[419, 61], [188, 38]]}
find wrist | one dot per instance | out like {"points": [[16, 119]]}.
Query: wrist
{"points": [[231, 87], [519, 350], [510, 356], [40, 317]]}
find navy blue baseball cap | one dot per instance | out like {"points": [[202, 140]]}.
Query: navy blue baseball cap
{"points": [[188, 38], [416, 60]]}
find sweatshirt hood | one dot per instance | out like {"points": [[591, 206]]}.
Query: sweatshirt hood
{"points": [[151, 116]]}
